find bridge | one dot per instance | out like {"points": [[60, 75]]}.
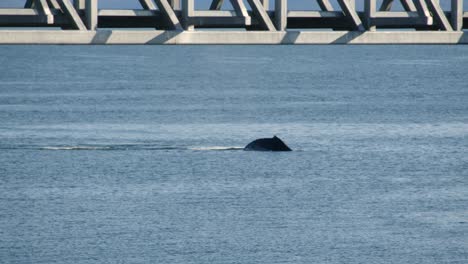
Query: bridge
{"points": [[249, 22]]}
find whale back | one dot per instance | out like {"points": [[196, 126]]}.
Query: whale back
{"points": [[267, 144]]}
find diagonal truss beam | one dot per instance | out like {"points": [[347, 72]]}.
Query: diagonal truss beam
{"points": [[43, 7], [325, 5], [421, 7], [216, 4], [53, 4], [147, 4], [439, 15], [29, 4], [386, 5], [350, 11], [169, 14], [408, 5], [166, 10], [261, 15], [423, 10], [71, 13], [239, 7]]}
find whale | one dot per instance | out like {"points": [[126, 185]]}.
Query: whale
{"points": [[267, 144]]}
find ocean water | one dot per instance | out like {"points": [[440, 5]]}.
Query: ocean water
{"points": [[133, 154]]}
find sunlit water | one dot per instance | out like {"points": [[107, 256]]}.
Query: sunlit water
{"points": [[131, 154]]}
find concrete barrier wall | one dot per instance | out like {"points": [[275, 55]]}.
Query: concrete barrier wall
{"points": [[155, 37]]}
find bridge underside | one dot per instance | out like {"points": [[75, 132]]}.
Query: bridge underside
{"points": [[177, 22]]}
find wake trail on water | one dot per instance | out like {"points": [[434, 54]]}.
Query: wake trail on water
{"points": [[75, 148], [118, 147], [216, 148]]}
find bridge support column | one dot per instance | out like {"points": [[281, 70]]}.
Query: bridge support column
{"points": [[281, 14], [370, 10], [457, 15], [91, 14], [188, 10]]}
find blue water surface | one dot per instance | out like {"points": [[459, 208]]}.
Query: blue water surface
{"points": [[133, 154]]}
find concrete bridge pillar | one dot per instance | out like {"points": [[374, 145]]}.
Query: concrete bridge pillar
{"points": [[281, 14], [188, 10], [457, 15], [91, 14], [370, 8]]}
